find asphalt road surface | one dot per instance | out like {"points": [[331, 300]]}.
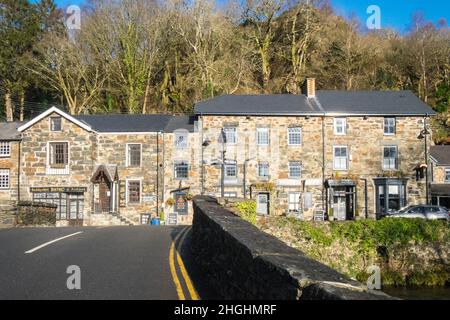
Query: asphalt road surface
{"points": [[139, 262]]}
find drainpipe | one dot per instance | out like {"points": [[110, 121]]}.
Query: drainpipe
{"points": [[323, 166], [163, 166], [157, 173], [202, 173], [244, 185], [366, 209]]}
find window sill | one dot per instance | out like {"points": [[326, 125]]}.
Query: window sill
{"points": [[5, 155]]}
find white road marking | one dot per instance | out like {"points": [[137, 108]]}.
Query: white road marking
{"points": [[53, 241]]}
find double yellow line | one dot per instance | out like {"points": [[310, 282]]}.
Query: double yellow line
{"points": [[174, 258]]}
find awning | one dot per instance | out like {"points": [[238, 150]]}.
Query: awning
{"points": [[340, 183], [442, 189], [109, 171]]}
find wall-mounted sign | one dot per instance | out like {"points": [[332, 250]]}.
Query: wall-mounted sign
{"points": [[145, 218], [181, 205], [173, 218], [122, 194], [148, 198], [58, 189]]}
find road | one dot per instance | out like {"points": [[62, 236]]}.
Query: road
{"points": [[136, 262]]}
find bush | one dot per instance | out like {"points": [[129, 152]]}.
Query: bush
{"points": [[247, 210]]}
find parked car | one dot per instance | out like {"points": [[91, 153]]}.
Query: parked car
{"points": [[421, 211]]}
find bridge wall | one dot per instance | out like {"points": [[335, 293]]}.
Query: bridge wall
{"points": [[243, 262]]}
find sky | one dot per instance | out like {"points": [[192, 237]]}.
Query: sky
{"points": [[394, 13]]}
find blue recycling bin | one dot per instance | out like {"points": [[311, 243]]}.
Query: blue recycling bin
{"points": [[155, 222]]}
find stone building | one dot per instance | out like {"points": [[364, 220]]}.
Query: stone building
{"points": [[440, 173], [9, 170], [345, 155], [337, 155]]}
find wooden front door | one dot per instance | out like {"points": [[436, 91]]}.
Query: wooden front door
{"points": [[105, 196]]}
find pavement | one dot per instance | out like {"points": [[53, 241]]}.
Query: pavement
{"points": [[135, 262]]}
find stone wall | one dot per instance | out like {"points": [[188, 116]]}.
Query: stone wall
{"points": [[82, 155], [364, 138], [36, 214], [113, 151], [244, 263], [191, 185], [11, 163]]}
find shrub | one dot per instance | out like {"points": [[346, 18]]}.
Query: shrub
{"points": [[247, 210]]}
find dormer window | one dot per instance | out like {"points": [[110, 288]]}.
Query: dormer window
{"points": [[55, 123]]}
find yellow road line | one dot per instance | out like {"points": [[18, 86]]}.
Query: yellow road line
{"points": [[175, 278], [187, 279]]}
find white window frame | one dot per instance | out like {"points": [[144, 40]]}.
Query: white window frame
{"points": [[445, 175], [343, 124], [262, 132], [127, 191], [296, 206], [389, 168], [51, 124], [299, 132], [127, 155], [384, 126], [5, 148], [290, 164], [266, 165], [185, 143], [179, 162], [5, 172], [226, 131], [227, 177], [57, 171], [346, 158]]}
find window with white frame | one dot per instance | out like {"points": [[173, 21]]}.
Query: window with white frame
{"points": [[230, 171], [5, 149], [181, 170], [230, 135], [340, 158], [134, 154], [134, 191], [389, 126], [294, 202], [181, 139], [447, 175], [59, 154], [262, 136], [4, 179], [295, 169], [390, 158], [263, 169], [295, 136], [55, 124], [340, 126]]}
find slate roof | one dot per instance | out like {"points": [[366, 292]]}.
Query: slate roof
{"points": [[326, 102], [373, 103], [8, 130], [441, 154], [137, 123], [264, 104]]}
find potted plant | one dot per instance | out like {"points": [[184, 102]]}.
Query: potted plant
{"points": [[188, 197], [170, 202]]}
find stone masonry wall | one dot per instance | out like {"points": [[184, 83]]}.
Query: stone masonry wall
{"points": [[278, 153], [9, 197], [242, 262], [113, 151], [365, 140], [82, 154]]}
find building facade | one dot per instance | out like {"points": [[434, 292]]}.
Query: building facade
{"points": [[326, 154], [440, 173]]}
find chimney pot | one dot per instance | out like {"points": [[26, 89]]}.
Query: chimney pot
{"points": [[310, 87]]}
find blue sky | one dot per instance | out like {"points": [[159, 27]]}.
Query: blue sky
{"points": [[394, 13]]}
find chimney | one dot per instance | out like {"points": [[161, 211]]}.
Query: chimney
{"points": [[310, 87]]}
